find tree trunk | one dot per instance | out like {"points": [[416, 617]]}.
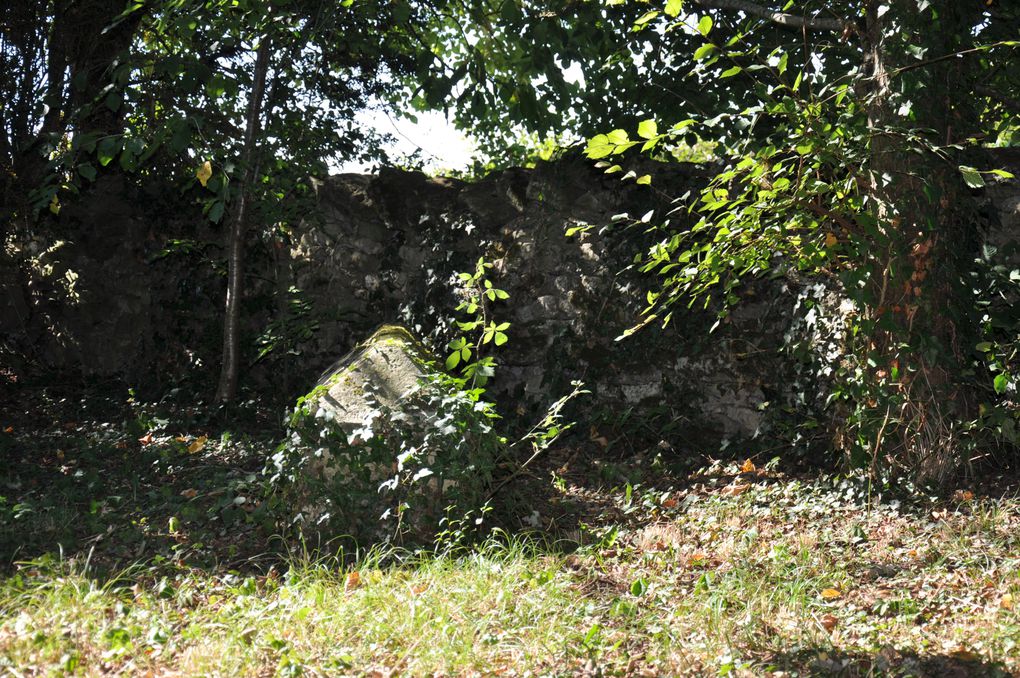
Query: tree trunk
{"points": [[921, 329], [227, 388]]}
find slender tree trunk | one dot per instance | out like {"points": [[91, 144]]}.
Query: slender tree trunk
{"points": [[227, 388]]}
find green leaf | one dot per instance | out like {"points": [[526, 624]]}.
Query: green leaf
{"points": [[703, 51], [971, 177], [618, 136], [599, 147], [705, 25], [453, 360], [216, 212], [782, 63], [107, 150], [114, 100], [500, 339], [1001, 173], [87, 171], [673, 7], [1000, 383], [647, 129], [648, 16], [638, 587], [730, 72], [644, 179]]}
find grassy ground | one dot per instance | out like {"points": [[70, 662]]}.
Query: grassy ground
{"points": [[729, 570]]}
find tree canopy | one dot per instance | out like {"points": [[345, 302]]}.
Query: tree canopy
{"points": [[847, 135]]}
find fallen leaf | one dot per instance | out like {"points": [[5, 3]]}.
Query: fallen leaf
{"points": [[831, 594], [146, 439], [697, 559], [1006, 602], [734, 490], [189, 493], [197, 445], [670, 503], [353, 581], [9, 429], [963, 495], [829, 622], [747, 467]]}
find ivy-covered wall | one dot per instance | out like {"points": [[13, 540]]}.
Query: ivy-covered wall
{"points": [[123, 294]]}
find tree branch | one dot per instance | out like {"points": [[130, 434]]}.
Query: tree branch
{"points": [[782, 18], [1008, 102]]}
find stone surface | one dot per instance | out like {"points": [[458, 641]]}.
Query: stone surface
{"points": [[387, 368]]}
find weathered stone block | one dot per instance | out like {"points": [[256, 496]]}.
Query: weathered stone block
{"points": [[385, 447]]}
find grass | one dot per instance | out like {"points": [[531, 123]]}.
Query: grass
{"points": [[760, 574], [729, 570]]}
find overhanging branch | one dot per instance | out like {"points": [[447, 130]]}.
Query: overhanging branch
{"points": [[782, 18]]}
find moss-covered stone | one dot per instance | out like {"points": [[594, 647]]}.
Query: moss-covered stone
{"points": [[385, 447]]}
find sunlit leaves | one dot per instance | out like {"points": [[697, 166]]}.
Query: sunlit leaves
{"points": [[647, 129], [972, 177], [705, 25], [674, 7]]}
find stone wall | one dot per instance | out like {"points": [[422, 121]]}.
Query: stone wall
{"points": [[386, 249]]}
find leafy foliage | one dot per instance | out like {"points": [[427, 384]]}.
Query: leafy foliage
{"points": [[841, 176]]}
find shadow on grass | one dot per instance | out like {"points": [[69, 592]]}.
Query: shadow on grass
{"points": [[92, 475], [887, 662]]}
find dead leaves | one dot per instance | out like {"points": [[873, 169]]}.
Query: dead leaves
{"points": [[352, 581], [831, 594], [204, 173], [735, 489]]}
